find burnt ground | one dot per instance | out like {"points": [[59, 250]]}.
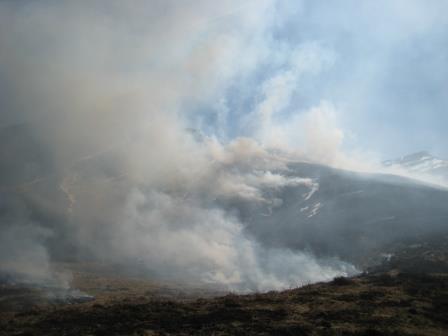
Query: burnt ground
{"points": [[391, 299]]}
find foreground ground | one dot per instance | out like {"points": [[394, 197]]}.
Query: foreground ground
{"points": [[368, 305], [389, 300]]}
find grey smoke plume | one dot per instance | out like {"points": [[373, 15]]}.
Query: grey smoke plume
{"points": [[100, 162], [118, 144]]}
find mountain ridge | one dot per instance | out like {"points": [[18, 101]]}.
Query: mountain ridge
{"points": [[422, 162]]}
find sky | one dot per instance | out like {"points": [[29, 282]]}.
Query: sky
{"points": [[381, 66], [390, 75]]}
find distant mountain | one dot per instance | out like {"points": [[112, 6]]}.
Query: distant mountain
{"points": [[332, 212], [346, 214], [421, 162]]}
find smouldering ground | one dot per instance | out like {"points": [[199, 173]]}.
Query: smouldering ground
{"points": [[94, 283], [390, 300], [400, 304]]}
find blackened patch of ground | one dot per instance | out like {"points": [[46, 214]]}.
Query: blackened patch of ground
{"points": [[391, 299], [401, 304]]}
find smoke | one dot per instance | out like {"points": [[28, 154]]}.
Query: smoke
{"points": [[23, 254], [172, 235], [143, 133], [107, 93]]}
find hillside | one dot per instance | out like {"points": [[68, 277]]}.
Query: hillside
{"points": [[389, 300]]}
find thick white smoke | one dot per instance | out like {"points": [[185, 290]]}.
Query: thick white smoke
{"points": [[108, 89]]}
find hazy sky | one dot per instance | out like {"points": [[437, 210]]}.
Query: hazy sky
{"points": [[390, 77], [379, 67], [385, 71], [391, 73]]}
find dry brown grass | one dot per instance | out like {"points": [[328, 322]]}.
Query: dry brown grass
{"points": [[388, 301], [404, 304]]}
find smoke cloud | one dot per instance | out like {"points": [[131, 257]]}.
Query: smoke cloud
{"points": [[106, 92], [143, 132]]}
